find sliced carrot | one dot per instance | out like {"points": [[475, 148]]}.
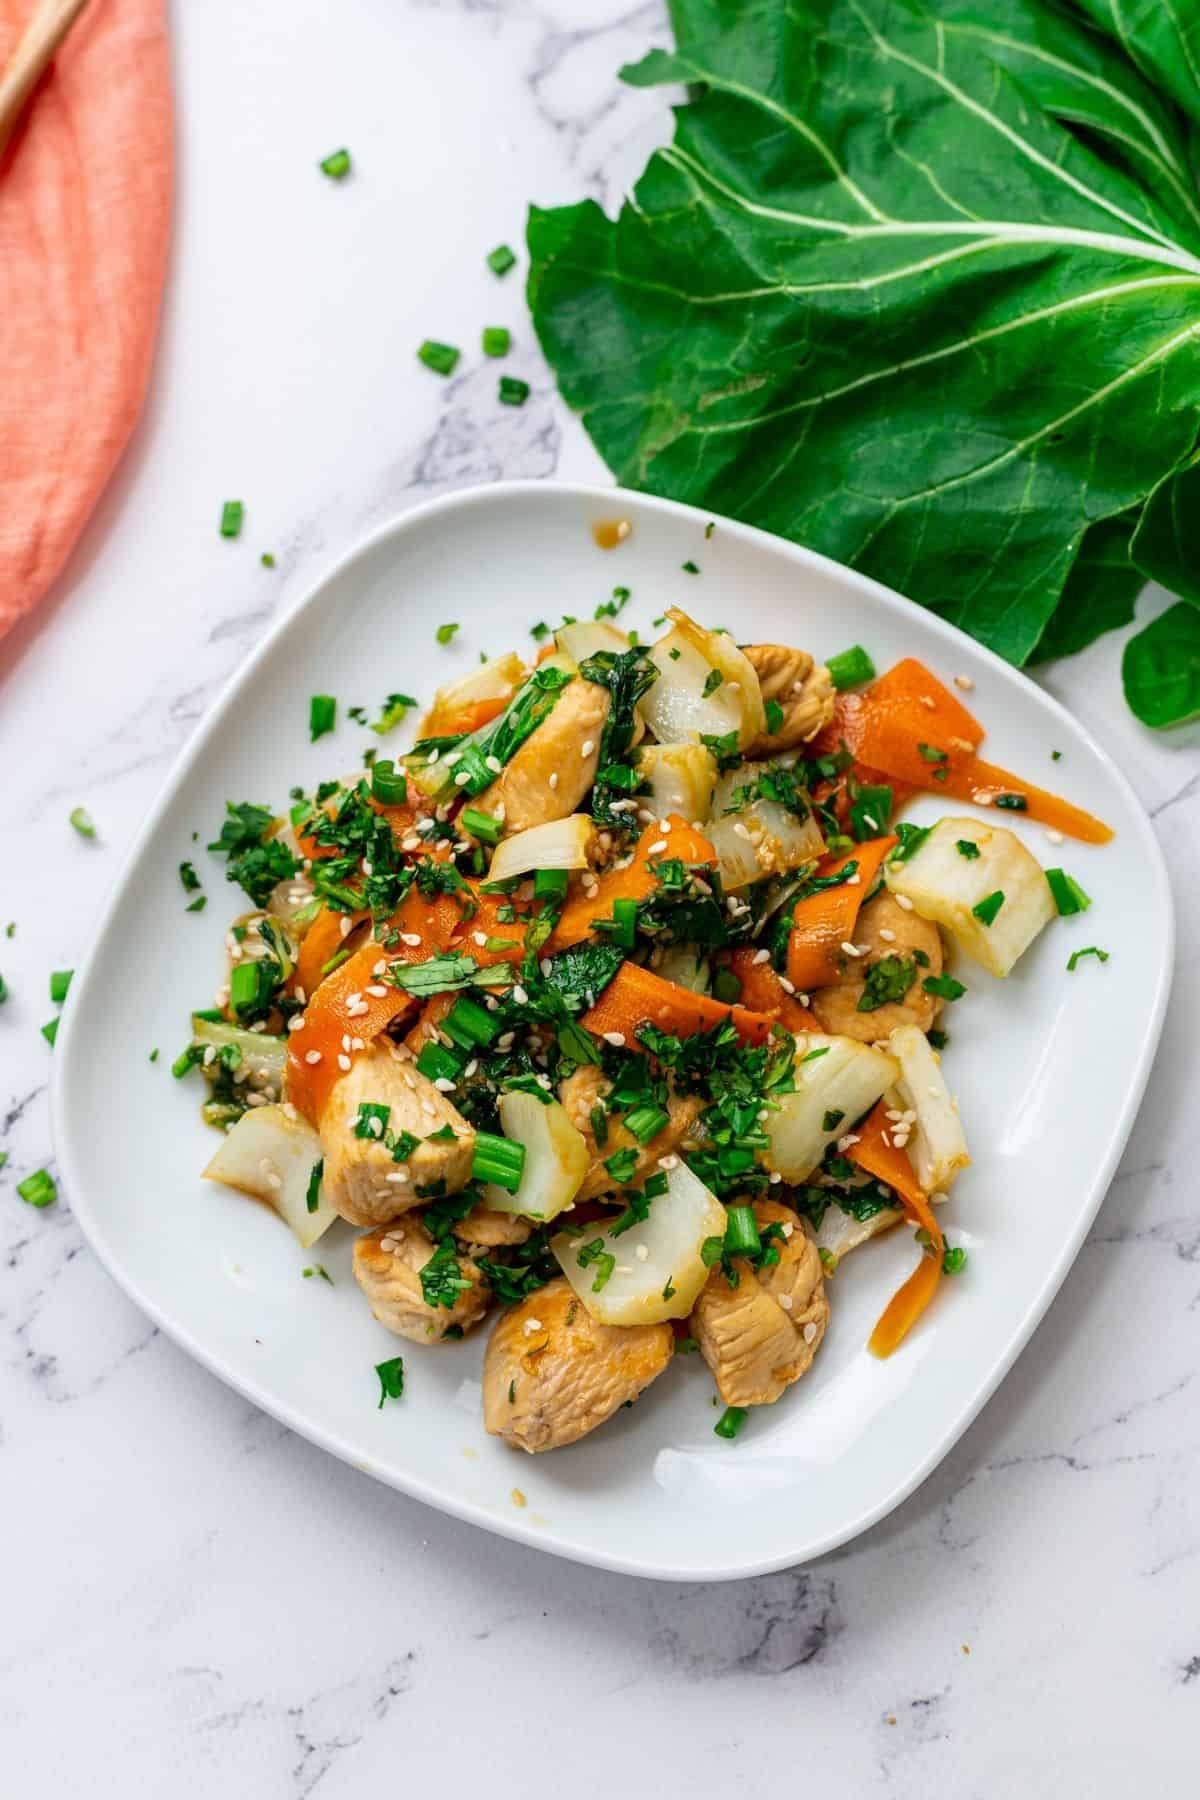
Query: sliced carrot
{"points": [[472, 715], [321, 942], [911, 729], [638, 997], [676, 841], [877, 1155], [907, 1304], [825, 921], [506, 940], [762, 991], [426, 1027], [329, 1016]]}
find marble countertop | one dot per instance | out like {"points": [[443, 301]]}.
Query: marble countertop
{"points": [[222, 1607]]}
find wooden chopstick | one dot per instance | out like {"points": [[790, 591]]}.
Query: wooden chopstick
{"points": [[33, 55]]}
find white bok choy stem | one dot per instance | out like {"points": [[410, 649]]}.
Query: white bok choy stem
{"points": [[560, 844], [556, 1157], [652, 1271], [706, 687], [937, 1145], [837, 1081], [271, 1153]]}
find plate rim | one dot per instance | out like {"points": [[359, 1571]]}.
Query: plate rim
{"points": [[473, 1512]]}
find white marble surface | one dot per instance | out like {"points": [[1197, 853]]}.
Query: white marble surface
{"points": [[197, 1602]]}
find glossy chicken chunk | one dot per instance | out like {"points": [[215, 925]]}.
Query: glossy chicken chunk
{"points": [[761, 1336], [363, 1179]]}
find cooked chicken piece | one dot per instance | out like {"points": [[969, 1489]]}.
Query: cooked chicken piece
{"points": [[760, 1336], [552, 1373], [556, 765], [387, 1267], [885, 930], [486, 1229], [362, 1179], [581, 1091], [797, 684]]}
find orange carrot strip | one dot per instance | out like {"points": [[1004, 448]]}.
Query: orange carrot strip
{"points": [[328, 1016], [826, 920], [762, 991], [508, 939], [907, 1304], [472, 715], [678, 841], [426, 1027], [320, 943], [637, 997], [885, 726], [877, 1155]]}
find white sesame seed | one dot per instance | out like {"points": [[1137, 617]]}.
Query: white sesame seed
{"points": [[789, 987], [928, 701], [462, 777], [964, 682], [519, 994], [433, 756], [547, 966], [300, 995], [312, 1057], [411, 842], [411, 938], [642, 1252], [296, 1023], [376, 990], [1055, 837], [657, 846], [854, 881], [399, 1176], [668, 1162], [530, 1326], [810, 1332], [494, 764], [443, 1085], [345, 925], [470, 1068], [615, 1038], [210, 1056], [982, 799], [762, 956], [851, 950], [380, 967], [786, 1301], [586, 748], [848, 1142], [343, 1060], [645, 816], [774, 1177], [367, 868], [741, 830], [903, 902], [889, 937]]}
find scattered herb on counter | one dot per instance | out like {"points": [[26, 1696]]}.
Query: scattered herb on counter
{"points": [[497, 340], [511, 391], [81, 821], [38, 1189], [232, 514], [444, 633], [500, 260], [267, 560], [441, 358]]}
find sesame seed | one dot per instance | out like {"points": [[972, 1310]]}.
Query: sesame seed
{"points": [[786, 1301], [376, 990], [519, 994], [343, 1060], [854, 881], [1055, 837], [903, 902], [642, 1252], [851, 950], [586, 748], [462, 777], [615, 1038], [210, 1056], [848, 1142], [433, 756], [411, 842], [380, 967], [494, 764], [530, 1326], [928, 701], [810, 1332], [312, 1057], [470, 1068], [789, 987], [982, 799], [964, 682], [300, 995], [741, 830], [296, 1023], [411, 938], [889, 937], [257, 1100], [774, 1178], [762, 956], [398, 1176], [645, 816], [668, 1162], [657, 846], [345, 926], [443, 1085]]}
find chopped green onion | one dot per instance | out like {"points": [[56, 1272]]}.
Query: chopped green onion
{"points": [[336, 165], [690, 568], [38, 1189], [394, 709], [189, 877], [832, 1119], [850, 667], [954, 1261], [594, 1254], [938, 1038], [441, 358], [232, 514], [437, 1063], [624, 923], [81, 820], [511, 391], [322, 716], [444, 633], [481, 825], [646, 1121], [497, 340], [389, 785], [712, 682], [372, 1120], [741, 1232], [60, 982], [966, 848], [550, 884], [989, 906], [198, 904], [1011, 802], [267, 560], [1069, 897], [391, 1379], [774, 714], [812, 1055], [470, 1025], [498, 1159], [50, 1031], [911, 838], [500, 260], [251, 984], [931, 754], [313, 1197], [1077, 956], [944, 986], [731, 1421]]}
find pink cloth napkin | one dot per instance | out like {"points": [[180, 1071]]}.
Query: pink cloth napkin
{"points": [[85, 207]]}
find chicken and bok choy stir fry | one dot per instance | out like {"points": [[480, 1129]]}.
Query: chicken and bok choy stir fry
{"points": [[614, 1008]]}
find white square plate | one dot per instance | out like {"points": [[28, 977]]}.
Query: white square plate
{"points": [[1048, 1066]]}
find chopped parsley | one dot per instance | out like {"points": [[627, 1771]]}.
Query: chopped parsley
{"points": [[944, 986], [336, 165], [442, 1279], [594, 1255], [189, 877], [987, 908], [257, 863], [391, 1379], [774, 714], [690, 568], [966, 848], [322, 716]]}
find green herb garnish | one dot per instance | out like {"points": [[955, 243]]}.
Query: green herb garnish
{"points": [[232, 514], [322, 716], [441, 358], [1068, 896], [336, 165], [1077, 957], [500, 260], [38, 1189], [511, 391], [497, 340], [391, 1379], [987, 908]]}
